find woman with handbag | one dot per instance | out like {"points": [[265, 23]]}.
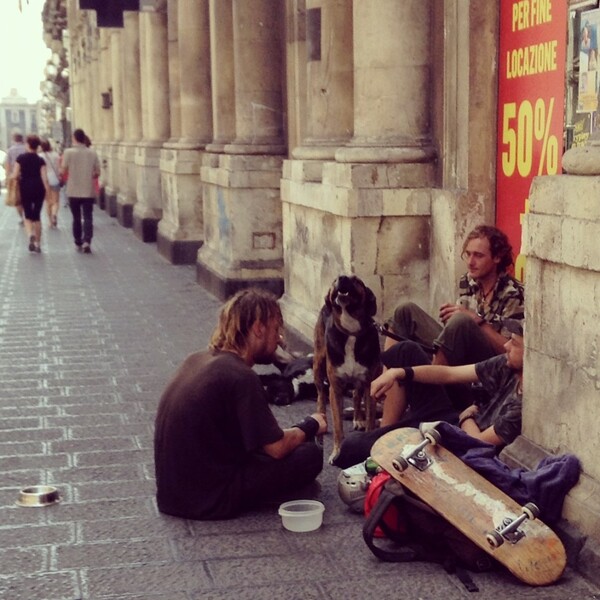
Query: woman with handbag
{"points": [[51, 158], [30, 171]]}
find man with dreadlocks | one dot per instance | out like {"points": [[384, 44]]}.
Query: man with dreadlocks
{"points": [[218, 449]]}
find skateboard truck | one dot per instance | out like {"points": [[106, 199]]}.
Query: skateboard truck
{"points": [[417, 458], [509, 529]]}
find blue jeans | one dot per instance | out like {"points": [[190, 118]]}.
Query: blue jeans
{"points": [[83, 206]]}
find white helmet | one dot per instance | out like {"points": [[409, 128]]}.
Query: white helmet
{"points": [[353, 483]]}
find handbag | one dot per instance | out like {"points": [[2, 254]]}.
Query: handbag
{"points": [[13, 196]]}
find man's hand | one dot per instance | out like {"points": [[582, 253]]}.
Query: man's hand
{"points": [[470, 411], [449, 310], [383, 383], [322, 420]]}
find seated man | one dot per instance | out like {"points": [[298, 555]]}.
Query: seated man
{"points": [[471, 328], [218, 449], [416, 395]]}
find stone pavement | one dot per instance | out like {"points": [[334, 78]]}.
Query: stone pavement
{"points": [[87, 343]]}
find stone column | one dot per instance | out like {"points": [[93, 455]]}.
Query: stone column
{"points": [[180, 231], [147, 211], [174, 71], [258, 86], [222, 76], [94, 99], [103, 134], [117, 169], [329, 79], [365, 206], [242, 210], [132, 116], [392, 103]]}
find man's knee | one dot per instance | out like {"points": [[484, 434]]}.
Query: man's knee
{"points": [[460, 323], [404, 312]]}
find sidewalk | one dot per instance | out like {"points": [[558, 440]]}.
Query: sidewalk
{"points": [[87, 344]]}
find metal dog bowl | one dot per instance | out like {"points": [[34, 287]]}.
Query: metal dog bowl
{"points": [[38, 495]]}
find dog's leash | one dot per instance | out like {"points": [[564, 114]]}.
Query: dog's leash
{"points": [[383, 329]]}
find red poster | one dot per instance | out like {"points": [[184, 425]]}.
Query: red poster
{"points": [[531, 90]]}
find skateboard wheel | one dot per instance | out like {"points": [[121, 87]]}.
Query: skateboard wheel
{"points": [[400, 464], [432, 436], [494, 539], [531, 511]]}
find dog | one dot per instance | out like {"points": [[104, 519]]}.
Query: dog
{"points": [[347, 354]]}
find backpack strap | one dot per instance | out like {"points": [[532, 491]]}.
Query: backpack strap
{"points": [[389, 492]]}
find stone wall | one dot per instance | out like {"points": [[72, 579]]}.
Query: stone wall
{"points": [[562, 338]]}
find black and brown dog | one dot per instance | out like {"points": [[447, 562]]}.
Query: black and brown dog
{"points": [[347, 354]]}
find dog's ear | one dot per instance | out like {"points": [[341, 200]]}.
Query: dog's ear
{"points": [[328, 299], [370, 302]]}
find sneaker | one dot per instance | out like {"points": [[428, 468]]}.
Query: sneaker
{"points": [[54, 221], [38, 248], [86, 249], [31, 243]]}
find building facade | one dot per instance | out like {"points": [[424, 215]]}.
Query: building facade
{"points": [[283, 142], [17, 115]]}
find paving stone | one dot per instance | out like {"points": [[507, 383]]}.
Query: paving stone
{"points": [[47, 586], [174, 577], [138, 527], [36, 535], [18, 561], [111, 554]]}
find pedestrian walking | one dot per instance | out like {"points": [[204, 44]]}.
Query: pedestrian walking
{"points": [[81, 165], [30, 172], [17, 148], [52, 160]]}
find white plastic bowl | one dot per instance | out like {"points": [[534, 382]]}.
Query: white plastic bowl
{"points": [[302, 515]]}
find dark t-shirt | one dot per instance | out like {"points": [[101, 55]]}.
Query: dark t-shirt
{"points": [[212, 417], [31, 167], [504, 408]]}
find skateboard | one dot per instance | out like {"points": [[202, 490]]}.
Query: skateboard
{"points": [[510, 533]]}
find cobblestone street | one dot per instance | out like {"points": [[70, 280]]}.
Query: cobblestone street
{"points": [[87, 344]]}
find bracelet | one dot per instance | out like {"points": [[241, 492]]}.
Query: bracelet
{"points": [[310, 427], [409, 374], [461, 421]]}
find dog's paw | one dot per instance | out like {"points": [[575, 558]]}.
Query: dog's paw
{"points": [[359, 425], [333, 456]]}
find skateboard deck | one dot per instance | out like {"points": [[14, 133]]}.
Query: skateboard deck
{"points": [[532, 551]]}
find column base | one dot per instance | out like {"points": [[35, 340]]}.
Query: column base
{"points": [[102, 199], [110, 196], [125, 214], [178, 252], [223, 287], [145, 228]]}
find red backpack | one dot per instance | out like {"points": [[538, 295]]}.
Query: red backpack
{"points": [[418, 531], [393, 520]]}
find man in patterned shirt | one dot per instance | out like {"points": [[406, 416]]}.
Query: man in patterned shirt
{"points": [[470, 328]]}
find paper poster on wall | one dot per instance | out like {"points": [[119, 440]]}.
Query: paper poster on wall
{"points": [[531, 94], [587, 97]]}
